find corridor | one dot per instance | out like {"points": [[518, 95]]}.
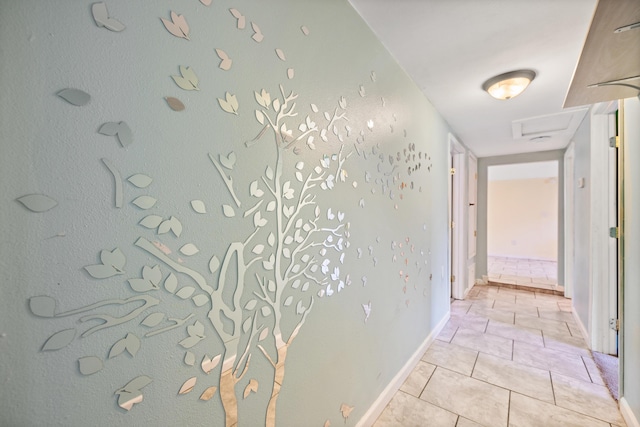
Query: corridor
{"points": [[506, 357]]}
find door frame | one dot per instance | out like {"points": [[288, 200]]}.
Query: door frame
{"points": [[457, 218], [604, 268], [569, 209]]}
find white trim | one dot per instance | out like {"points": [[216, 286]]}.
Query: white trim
{"points": [[390, 390], [628, 415], [457, 236], [603, 338], [569, 210], [583, 330]]}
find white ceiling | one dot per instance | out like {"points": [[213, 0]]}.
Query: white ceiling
{"points": [[450, 47]]}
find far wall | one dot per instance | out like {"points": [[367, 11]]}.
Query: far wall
{"points": [[521, 218]]}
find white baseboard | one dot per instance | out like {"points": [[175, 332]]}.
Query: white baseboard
{"points": [[583, 330], [629, 417], [390, 390]]}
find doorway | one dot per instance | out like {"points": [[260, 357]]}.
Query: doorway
{"points": [[457, 235], [522, 225]]}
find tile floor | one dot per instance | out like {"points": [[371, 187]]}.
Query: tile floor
{"points": [[524, 273], [507, 357]]}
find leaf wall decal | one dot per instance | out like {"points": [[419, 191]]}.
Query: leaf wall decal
{"points": [[225, 61], [188, 385], [75, 97], [229, 104], [174, 103], [257, 33], [185, 292], [59, 340], [130, 394], [151, 221], [206, 2], [241, 21], [101, 271], [144, 202], [171, 283], [346, 410], [125, 136], [200, 300], [103, 20], [42, 306], [153, 319], [109, 128], [188, 79], [228, 161], [198, 206], [121, 130], [90, 365], [208, 393], [37, 202], [214, 264], [140, 180], [189, 249], [177, 26], [251, 387], [228, 211], [208, 364]]}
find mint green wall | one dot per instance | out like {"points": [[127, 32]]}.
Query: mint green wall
{"points": [[366, 209], [631, 317], [581, 295]]}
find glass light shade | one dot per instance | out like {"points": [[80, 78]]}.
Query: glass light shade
{"points": [[508, 85]]}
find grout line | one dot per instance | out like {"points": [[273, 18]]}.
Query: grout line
{"points": [[428, 379], [553, 390], [587, 368], [475, 362], [509, 408]]}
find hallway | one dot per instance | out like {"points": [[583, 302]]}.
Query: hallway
{"points": [[506, 357]]}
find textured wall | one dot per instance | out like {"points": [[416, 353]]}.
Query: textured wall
{"points": [[253, 189]]}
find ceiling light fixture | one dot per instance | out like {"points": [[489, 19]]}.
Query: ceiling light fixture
{"points": [[508, 85]]}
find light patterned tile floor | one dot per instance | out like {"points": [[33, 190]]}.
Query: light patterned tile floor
{"points": [[506, 358], [524, 272]]}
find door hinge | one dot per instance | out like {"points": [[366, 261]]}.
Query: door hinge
{"points": [[453, 279], [453, 171], [614, 324], [614, 142], [453, 225], [475, 233], [614, 232]]}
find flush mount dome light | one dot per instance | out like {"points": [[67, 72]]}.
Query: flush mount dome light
{"points": [[508, 85]]}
